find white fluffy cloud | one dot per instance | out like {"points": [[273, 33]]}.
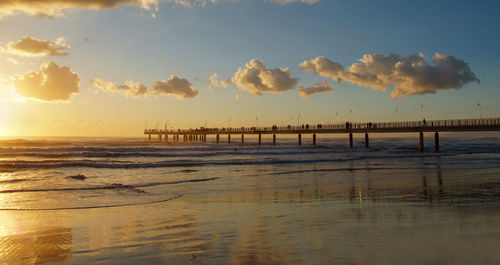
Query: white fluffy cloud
{"points": [[176, 86], [256, 78], [129, 88], [411, 75], [52, 82], [322, 87], [29, 46], [54, 8], [179, 87], [214, 81]]}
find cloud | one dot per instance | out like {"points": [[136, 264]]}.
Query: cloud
{"points": [[129, 89], [214, 81], [29, 46], [256, 78], [238, 96], [410, 76], [179, 87], [284, 2], [54, 8], [52, 82], [323, 66], [323, 87]]}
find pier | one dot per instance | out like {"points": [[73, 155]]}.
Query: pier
{"points": [[420, 127]]}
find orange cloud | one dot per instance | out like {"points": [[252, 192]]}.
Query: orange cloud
{"points": [[130, 88], [29, 46], [52, 82], [54, 8]]}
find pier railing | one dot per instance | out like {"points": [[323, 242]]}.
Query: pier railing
{"points": [[441, 125]]}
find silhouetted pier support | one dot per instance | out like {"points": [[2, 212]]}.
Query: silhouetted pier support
{"points": [[350, 140], [300, 139], [260, 139], [314, 138], [166, 138], [367, 144], [242, 138], [159, 138], [436, 142], [421, 142], [274, 139], [217, 138], [149, 137], [228, 138]]}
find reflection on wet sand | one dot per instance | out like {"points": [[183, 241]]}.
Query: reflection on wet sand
{"points": [[353, 217], [38, 247], [154, 234]]}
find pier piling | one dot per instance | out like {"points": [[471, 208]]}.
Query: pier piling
{"points": [[242, 138], [217, 138], [300, 139], [350, 140], [366, 140], [314, 138], [274, 139], [260, 139], [228, 138], [436, 142]]}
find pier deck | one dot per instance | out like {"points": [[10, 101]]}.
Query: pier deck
{"points": [[436, 126], [492, 124]]}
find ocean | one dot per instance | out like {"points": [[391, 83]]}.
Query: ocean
{"points": [[131, 201]]}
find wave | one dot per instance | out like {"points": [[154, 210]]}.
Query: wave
{"points": [[114, 186], [11, 181], [9, 165], [158, 152]]}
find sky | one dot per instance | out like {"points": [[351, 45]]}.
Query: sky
{"points": [[113, 68]]}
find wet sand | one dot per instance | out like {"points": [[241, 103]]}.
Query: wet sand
{"points": [[439, 218]]}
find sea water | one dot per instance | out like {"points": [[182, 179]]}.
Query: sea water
{"points": [[131, 201]]}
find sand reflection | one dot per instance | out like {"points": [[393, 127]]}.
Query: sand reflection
{"points": [[38, 247]]}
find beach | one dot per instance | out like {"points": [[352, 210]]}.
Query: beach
{"points": [[131, 201]]}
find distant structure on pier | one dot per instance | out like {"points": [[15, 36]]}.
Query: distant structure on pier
{"points": [[436, 126]]}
